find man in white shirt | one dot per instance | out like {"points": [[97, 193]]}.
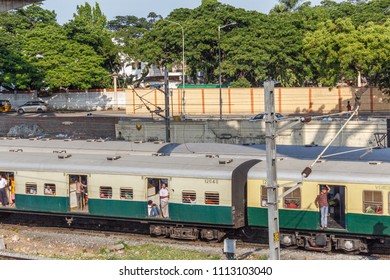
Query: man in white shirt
{"points": [[164, 197], [3, 191]]}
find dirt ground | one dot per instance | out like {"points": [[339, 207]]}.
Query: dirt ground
{"points": [[72, 244]]}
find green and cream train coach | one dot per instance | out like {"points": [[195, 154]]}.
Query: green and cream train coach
{"points": [[206, 195], [358, 219], [212, 190]]}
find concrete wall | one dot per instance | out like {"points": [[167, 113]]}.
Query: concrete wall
{"points": [[246, 101], [356, 134], [79, 101], [58, 127]]}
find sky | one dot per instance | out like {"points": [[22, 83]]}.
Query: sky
{"points": [[141, 8]]}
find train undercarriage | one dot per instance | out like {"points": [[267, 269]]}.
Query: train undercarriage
{"points": [[307, 240], [327, 242], [187, 233]]}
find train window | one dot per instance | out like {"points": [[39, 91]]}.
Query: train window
{"points": [[127, 193], [31, 188], [212, 198], [372, 202], [293, 199], [389, 203], [263, 195], [188, 196], [106, 192], [49, 189]]}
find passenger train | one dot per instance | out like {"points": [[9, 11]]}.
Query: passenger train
{"points": [[214, 191]]}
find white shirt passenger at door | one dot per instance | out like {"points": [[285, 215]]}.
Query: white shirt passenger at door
{"points": [[3, 183], [164, 193]]}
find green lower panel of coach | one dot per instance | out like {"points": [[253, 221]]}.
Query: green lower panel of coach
{"points": [[289, 219], [371, 224], [215, 215], [42, 203], [117, 208], [205, 214]]}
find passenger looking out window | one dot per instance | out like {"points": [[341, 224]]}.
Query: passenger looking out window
{"points": [[372, 202], [189, 197]]}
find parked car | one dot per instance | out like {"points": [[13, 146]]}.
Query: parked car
{"points": [[5, 106], [32, 106], [261, 117]]}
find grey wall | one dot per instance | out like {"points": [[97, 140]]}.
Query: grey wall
{"points": [[79, 101], [357, 133]]}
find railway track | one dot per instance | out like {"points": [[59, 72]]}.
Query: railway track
{"points": [[50, 240]]}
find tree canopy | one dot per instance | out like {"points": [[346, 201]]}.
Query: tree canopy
{"points": [[295, 43]]}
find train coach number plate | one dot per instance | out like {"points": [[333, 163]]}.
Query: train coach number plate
{"points": [[211, 181]]}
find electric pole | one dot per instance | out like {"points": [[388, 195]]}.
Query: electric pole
{"points": [[167, 123], [272, 186]]}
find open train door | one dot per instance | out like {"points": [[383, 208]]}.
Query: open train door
{"points": [[78, 193], [336, 200], [154, 189]]}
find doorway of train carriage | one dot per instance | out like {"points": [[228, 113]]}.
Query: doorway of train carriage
{"points": [[336, 210], [157, 197], [8, 193], [78, 192]]}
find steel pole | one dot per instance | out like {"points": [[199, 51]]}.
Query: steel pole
{"points": [[220, 74], [219, 66], [167, 115], [272, 186], [184, 78], [183, 100]]}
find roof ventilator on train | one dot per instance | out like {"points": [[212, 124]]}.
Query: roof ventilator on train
{"points": [[227, 161], [113, 158], [212, 156], [63, 155], [16, 150], [59, 151], [375, 162]]}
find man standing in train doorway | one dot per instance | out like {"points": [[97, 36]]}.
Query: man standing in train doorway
{"points": [[322, 202], [164, 196], [3, 191]]}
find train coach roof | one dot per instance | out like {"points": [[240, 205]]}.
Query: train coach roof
{"points": [[337, 152], [201, 149], [283, 151], [327, 171], [190, 149], [127, 164], [91, 146]]}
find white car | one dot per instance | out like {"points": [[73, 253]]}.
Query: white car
{"points": [[261, 117], [32, 106]]}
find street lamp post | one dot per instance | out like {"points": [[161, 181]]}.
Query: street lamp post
{"points": [[115, 77], [219, 66], [183, 65]]}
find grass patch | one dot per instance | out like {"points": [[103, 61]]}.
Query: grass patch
{"points": [[143, 252]]}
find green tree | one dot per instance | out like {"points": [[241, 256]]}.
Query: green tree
{"points": [[15, 71], [339, 50], [89, 27], [127, 32], [63, 62]]}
